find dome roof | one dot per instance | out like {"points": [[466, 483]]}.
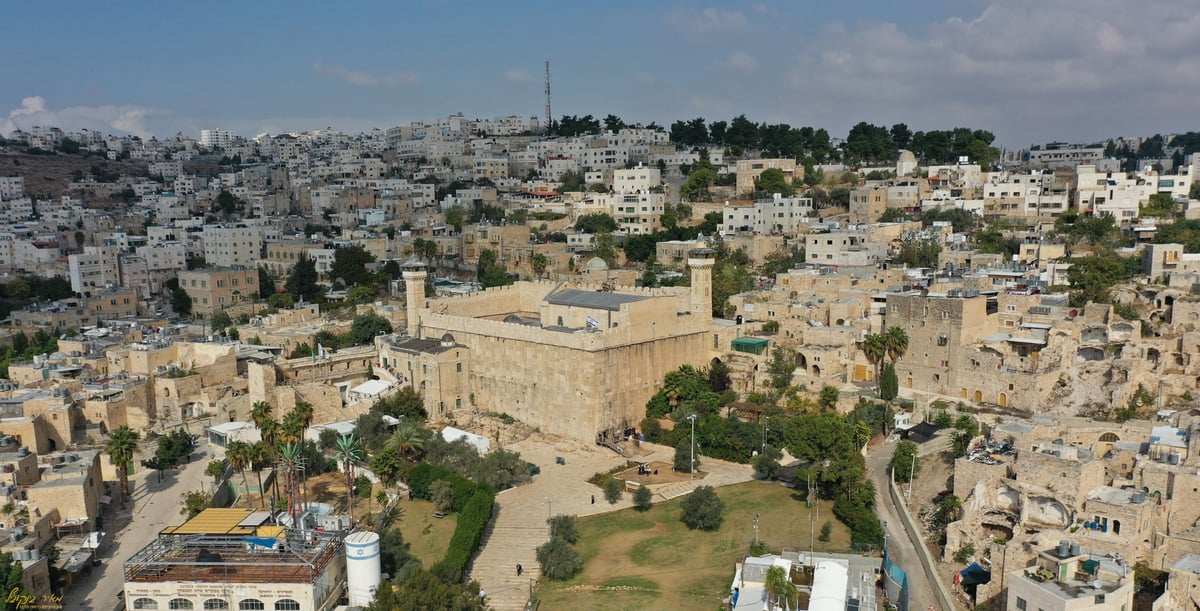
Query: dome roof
{"points": [[596, 263], [908, 156]]}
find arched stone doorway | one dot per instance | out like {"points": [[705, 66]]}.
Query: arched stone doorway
{"points": [[1003, 399], [801, 361], [816, 371], [908, 383], [979, 396]]}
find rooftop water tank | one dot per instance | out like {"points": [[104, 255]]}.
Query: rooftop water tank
{"points": [[362, 567], [1075, 548], [1064, 547]]}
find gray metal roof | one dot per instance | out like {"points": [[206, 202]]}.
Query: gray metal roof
{"points": [[593, 299]]}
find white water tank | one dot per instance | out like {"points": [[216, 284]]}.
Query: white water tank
{"points": [[362, 567]]}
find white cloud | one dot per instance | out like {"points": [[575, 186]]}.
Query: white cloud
{"points": [[517, 75], [126, 119], [706, 21], [644, 78], [1028, 70], [740, 60], [360, 78]]}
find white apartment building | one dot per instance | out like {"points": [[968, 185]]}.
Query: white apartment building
{"points": [[11, 187], [135, 275], [1114, 193], [215, 138], [1061, 154], [843, 249], [94, 269], [164, 256], [169, 170], [778, 215], [1018, 195], [228, 246], [637, 213], [636, 180]]}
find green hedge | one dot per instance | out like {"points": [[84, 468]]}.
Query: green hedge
{"points": [[422, 476], [472, 521]]}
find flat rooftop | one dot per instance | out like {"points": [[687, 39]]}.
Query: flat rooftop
{"points": [[593, 299]]}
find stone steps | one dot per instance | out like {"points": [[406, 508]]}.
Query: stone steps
{"points": [[509, 542]]}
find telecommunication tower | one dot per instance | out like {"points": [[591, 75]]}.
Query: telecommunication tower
{"points": [[549, 116]]}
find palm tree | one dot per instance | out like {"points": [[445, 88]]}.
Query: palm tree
{"points": [[238, 455], [539, 263], [260, 412], [291, 465], [780, 589], [874, 347], [260, 457], [121, 445], [305, 410], [292, 428], [348, 453], [896, 341], [409, 438]]}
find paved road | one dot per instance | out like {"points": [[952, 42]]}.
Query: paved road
{"points": [[899, 546], [154, 506]]}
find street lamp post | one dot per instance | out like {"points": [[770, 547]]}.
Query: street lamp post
{"points": [[764, 435], [691, 466]]}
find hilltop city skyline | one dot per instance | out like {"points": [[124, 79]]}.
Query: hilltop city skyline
{"points": [[1028, 72]]}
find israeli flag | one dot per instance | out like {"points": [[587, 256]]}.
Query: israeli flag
{"points": [[592, 323]]}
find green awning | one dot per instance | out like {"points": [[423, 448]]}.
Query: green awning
{"points": [[1090, 566], [750, 342]]}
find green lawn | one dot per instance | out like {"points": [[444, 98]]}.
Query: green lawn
{"points": [[427, 536], [651, 560]]}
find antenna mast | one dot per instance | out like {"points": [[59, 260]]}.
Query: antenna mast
{"points": [[549, 116]]}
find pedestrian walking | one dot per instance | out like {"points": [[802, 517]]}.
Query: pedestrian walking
{"points": [[593, 499], [520, 570]]}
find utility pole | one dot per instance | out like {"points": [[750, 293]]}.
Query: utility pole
{"points": [[756, 529], [692, 465]]}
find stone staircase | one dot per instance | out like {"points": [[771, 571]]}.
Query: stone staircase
{"points": [[678, 489], [513, 538]]}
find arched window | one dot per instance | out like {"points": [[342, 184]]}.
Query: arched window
{"points": [[144, 603], [251, 604], [1109, 438], [287, 604], [180, 603], [215, 604]]}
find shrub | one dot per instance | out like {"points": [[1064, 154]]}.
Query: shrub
{"points": [[905, 464], [826, 531], [612, 490], [563, 527], [472, 521], [362, 487], [442, 495], [766, 464], [702, 509], [643, 499], [559, 560], [964, 553], [683, 454]]}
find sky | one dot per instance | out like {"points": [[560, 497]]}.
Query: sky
{"points": [[1031, 71]]}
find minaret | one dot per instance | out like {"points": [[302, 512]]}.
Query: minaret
{"points": [[413, 272], [700, 262]]}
